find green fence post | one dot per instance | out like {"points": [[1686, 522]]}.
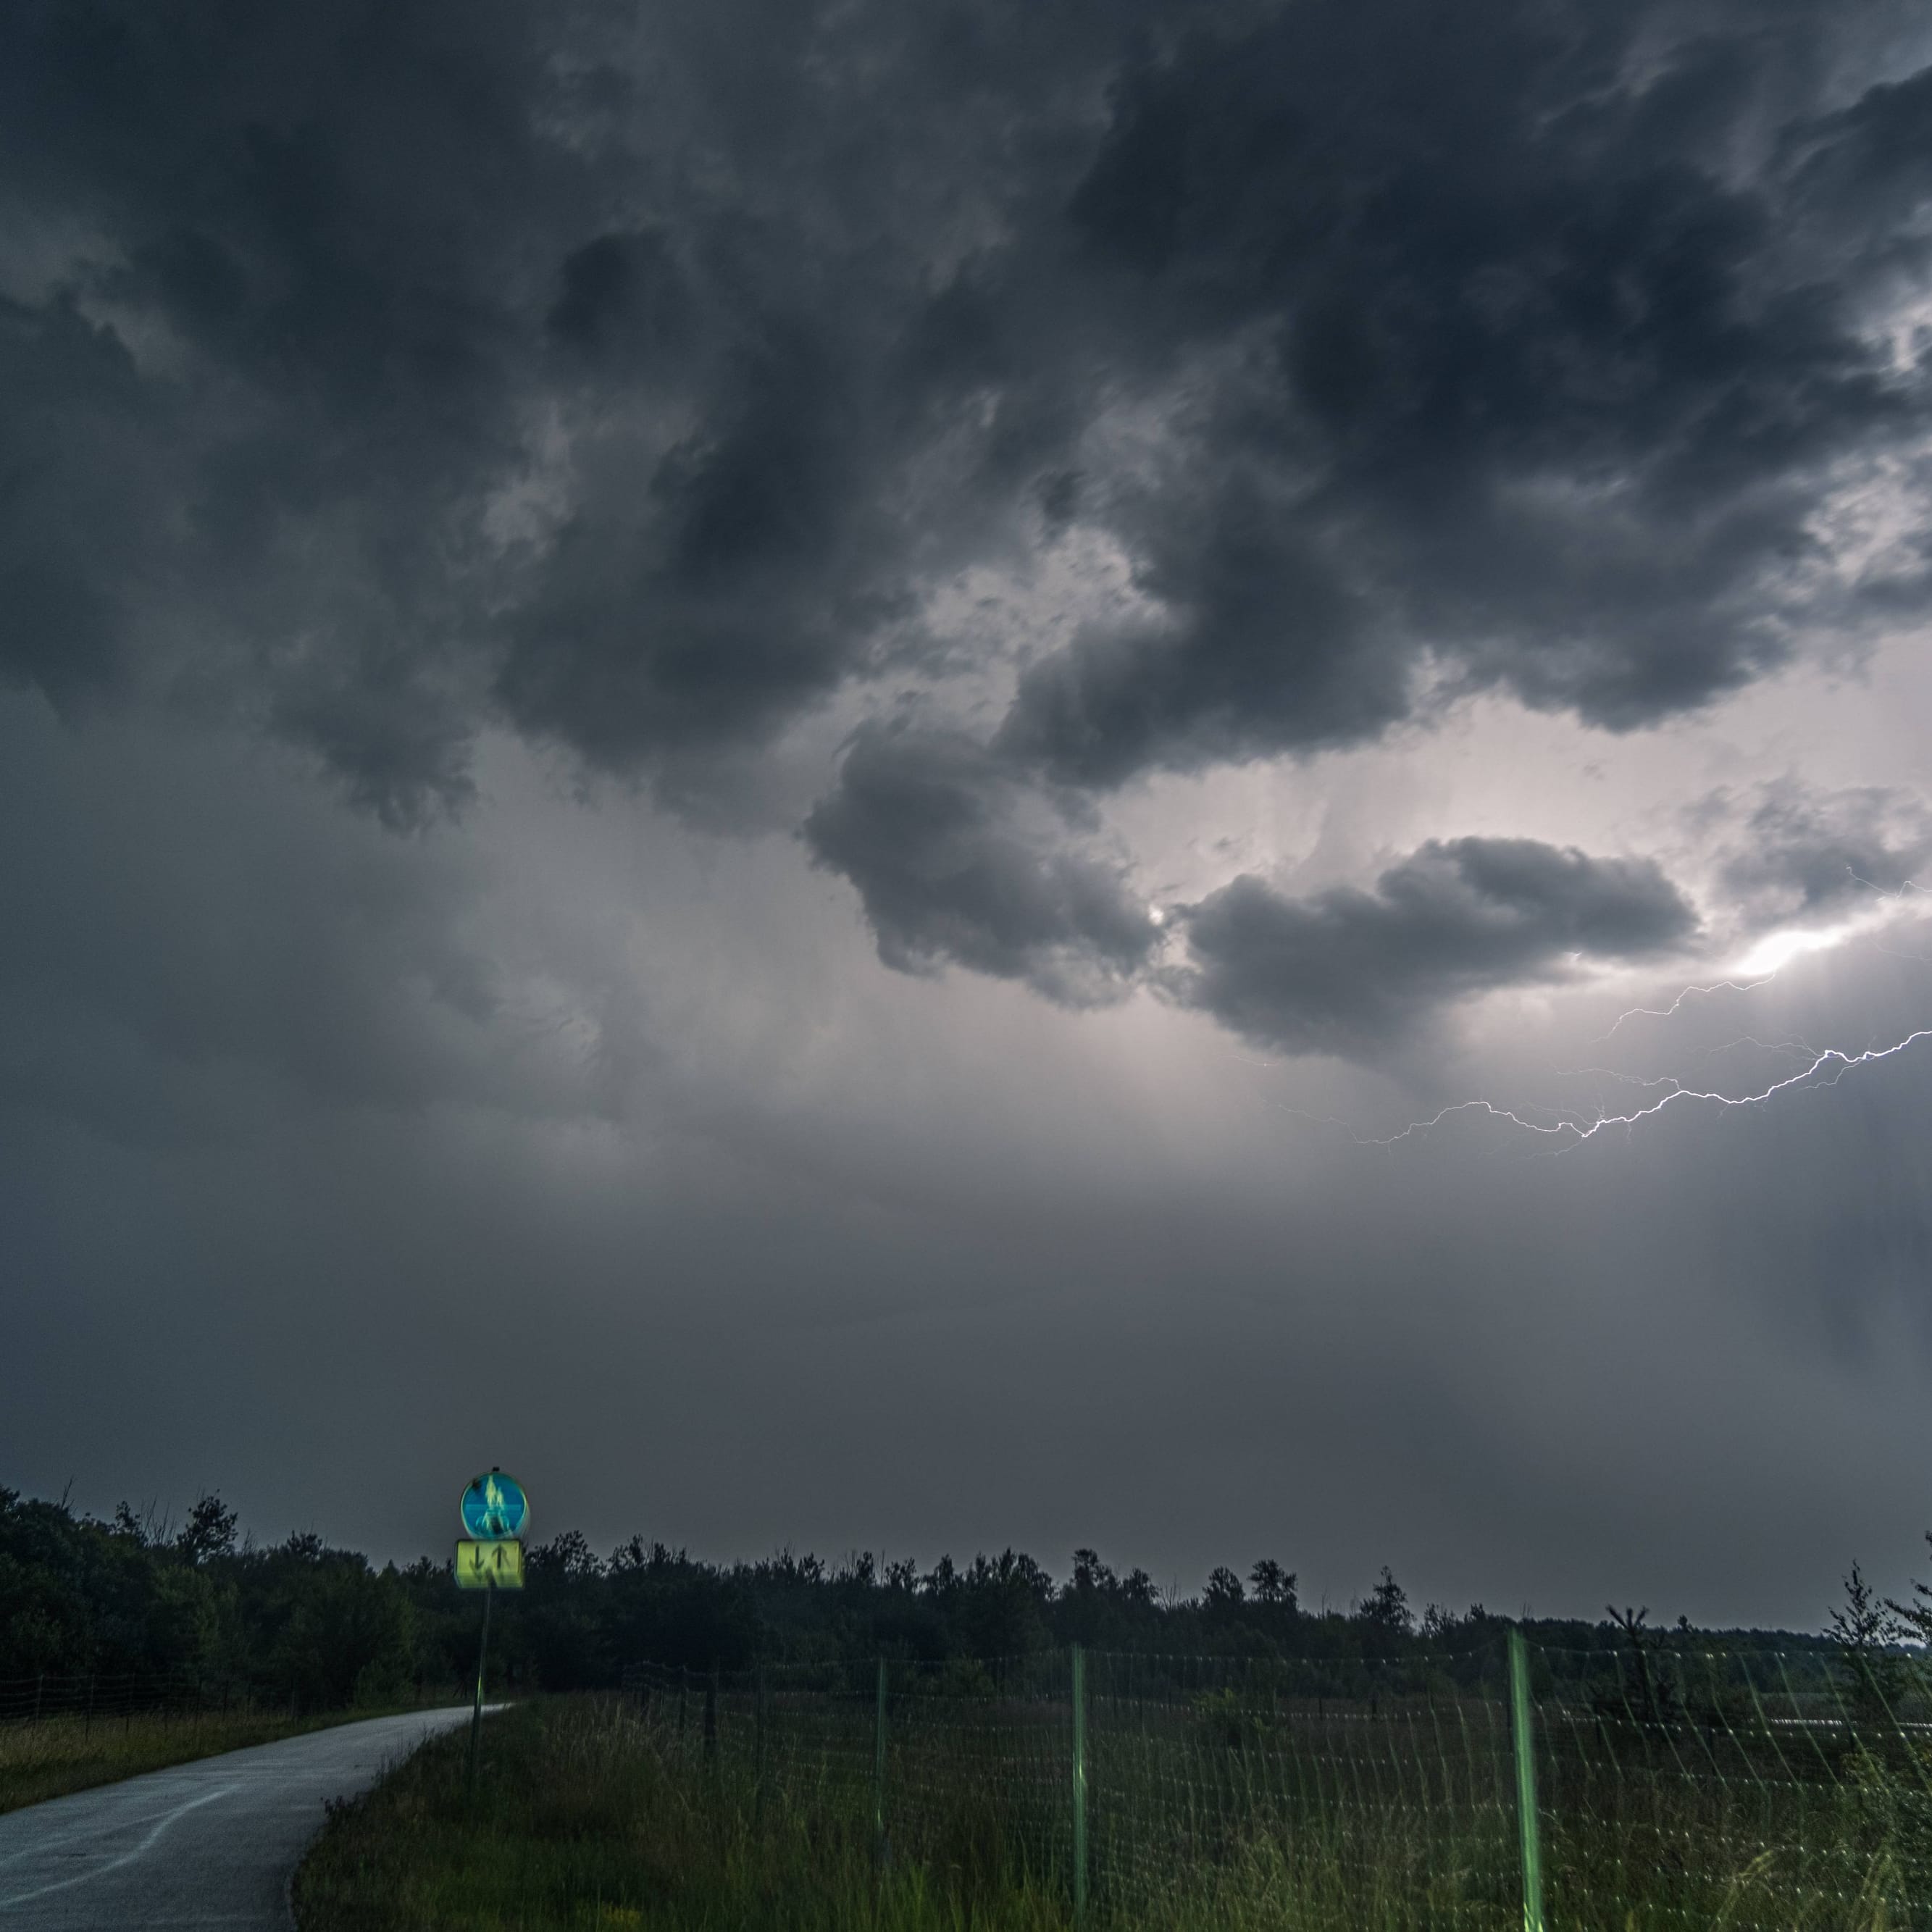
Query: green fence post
{"points": [[879, 1770], [1525, 1783], [1079, 1784], [758, 1746]]}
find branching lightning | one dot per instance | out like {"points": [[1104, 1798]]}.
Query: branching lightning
{"points": [[1566, 1127], [1826, 1069], [1909, 886], [1689, 992], [1802, 1047]]}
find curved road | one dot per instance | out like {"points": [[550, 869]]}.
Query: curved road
{"points": [[211, 1843]]}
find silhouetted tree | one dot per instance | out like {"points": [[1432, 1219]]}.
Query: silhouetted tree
{"points": [[209, 1531], [1386, 1606], [1650, 1696], [1913, 1620], [1864, 1626], [1273, 1585], [1224, 1593], [569, 1555]]}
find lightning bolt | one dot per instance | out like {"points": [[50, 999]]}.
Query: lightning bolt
{"points": [[1751, 984], [1800, 1047], [1667, 1013], [1832, 1062], [1570, 1126], [1909, 886]]}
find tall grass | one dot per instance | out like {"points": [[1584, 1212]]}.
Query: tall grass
{"points": [[49, 1757], [660, 1813], [581, 1821]]}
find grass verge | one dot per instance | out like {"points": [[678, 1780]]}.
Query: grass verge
{"points": [[586, 1817], [51, 1757], [579, 1823]]}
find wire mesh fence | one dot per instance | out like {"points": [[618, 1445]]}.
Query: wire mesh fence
{"points": [[1643, 1786], [96, 1697], [90, 1695], [1738, 1787]]}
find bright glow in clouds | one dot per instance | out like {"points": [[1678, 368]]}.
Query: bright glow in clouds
{"points": [[1777, 950]]}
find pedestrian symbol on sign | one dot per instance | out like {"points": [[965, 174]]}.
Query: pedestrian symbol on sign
{"points": [[494, 1506]]}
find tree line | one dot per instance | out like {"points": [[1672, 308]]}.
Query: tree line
{"points": [[315, 1627]]}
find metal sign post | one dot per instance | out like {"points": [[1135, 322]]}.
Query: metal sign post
{"points": [[476, 1711], [494, 1511]]}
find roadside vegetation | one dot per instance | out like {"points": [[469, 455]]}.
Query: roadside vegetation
{"points": [[70, 1753], [208, 1617], [603, 1812], [580, 1821]]}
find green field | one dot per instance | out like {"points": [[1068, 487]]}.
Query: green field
{"points": [[1213, 1795], [580, 1820]]}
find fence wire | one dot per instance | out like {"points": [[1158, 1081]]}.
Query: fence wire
{"points": [[92, 1696], [1734, 1787], [1675, 1787]]}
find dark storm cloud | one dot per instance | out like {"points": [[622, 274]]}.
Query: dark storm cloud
{"points": [[264, 268], [1355, 972], [178, 961], [300, 307], [378, 371], [1517, 340], [718, 603], [956, 860], [959, 860], [1262, 646], [1801, 854], [621, 296]]}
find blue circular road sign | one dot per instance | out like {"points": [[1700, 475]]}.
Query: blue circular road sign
{"points": [[495, 1508]]}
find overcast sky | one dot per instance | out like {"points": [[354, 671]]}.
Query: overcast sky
{"points": [[769, 758]]}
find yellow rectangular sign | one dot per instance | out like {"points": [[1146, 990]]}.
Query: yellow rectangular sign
{"points": [[490, 1566]]}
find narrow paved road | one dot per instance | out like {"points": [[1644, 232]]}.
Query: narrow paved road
{"points": [[211, 1843]]}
